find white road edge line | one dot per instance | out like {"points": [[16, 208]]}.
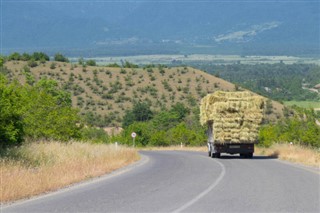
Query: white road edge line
{"points": [[202, 194], [144, 159]]}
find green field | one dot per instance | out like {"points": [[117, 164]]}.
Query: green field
{"points": [[304, 104]]}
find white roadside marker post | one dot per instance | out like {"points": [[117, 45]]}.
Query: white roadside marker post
{"points": [[133, 135]]}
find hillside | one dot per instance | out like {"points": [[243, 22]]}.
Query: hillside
{"points": [[106, 92]]}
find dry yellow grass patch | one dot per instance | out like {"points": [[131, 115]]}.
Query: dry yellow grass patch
{"points": [[47, 166], [292, 153]]}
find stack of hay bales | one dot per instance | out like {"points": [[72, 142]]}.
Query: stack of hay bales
{"points": [[234, 116]]}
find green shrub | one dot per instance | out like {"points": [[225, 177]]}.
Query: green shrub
{"points": [[95, 135], [60, 57], [91, 62], [11, 113], [159, 138], [300, 128], [32, 63], [39, 111]]}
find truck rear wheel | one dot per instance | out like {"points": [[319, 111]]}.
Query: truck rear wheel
{"points": [[215, 155]]}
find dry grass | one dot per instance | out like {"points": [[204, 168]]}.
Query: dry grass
{"points": [[42, 167], [292, 153]]}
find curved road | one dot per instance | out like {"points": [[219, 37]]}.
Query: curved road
{"points": [[175, 181]]}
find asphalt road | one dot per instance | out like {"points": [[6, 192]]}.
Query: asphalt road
{"points": [[172, 181]]}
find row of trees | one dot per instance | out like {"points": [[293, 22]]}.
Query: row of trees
{"points": [[36, 56], [175, 126], [299, 127], [282, 82], [165, 128]]}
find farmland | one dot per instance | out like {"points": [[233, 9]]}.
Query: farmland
{"points": [[304, 104], [196, 58]]}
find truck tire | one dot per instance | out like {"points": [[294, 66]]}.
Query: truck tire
{"points": [[250, 155], [213, 155]]}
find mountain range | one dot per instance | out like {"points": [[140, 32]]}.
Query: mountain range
{"points": [[92, 28]]}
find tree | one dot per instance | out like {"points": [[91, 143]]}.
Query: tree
{"points": [[140, 112], [32, 63], [11, 113], [113, 65], [60, 57], [40, 56], [128, 118], [180, 110], [127, 64], [14, 56], [51, 87], [1, 61], [91, 62], [165, 120], [143, 131], [25, 57], [45, 118], [81, 61]]}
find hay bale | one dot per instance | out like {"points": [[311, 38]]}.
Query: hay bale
{"points": [[234, 116]]}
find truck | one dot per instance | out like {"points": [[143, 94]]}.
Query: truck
{"points": [[232, 120]]}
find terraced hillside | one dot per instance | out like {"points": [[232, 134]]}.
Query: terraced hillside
{"points": [[107, 91]]}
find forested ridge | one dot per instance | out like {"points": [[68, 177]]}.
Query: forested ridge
{"points": [[281, 82]]}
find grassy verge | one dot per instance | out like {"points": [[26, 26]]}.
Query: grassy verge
{"points": [[41, 167], [292, 153]]}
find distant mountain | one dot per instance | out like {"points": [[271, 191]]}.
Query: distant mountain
{"points": [[148, 27]]}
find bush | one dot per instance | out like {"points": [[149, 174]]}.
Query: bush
{"points": [[40, 111], [159, 138], [301, 128], [95, 135], [143, 131], [91, 63], [140, 112], [165, 128], [32, 63], [165, 120], [11, 113], [52, 65], [60, 57], [40, 56]]}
